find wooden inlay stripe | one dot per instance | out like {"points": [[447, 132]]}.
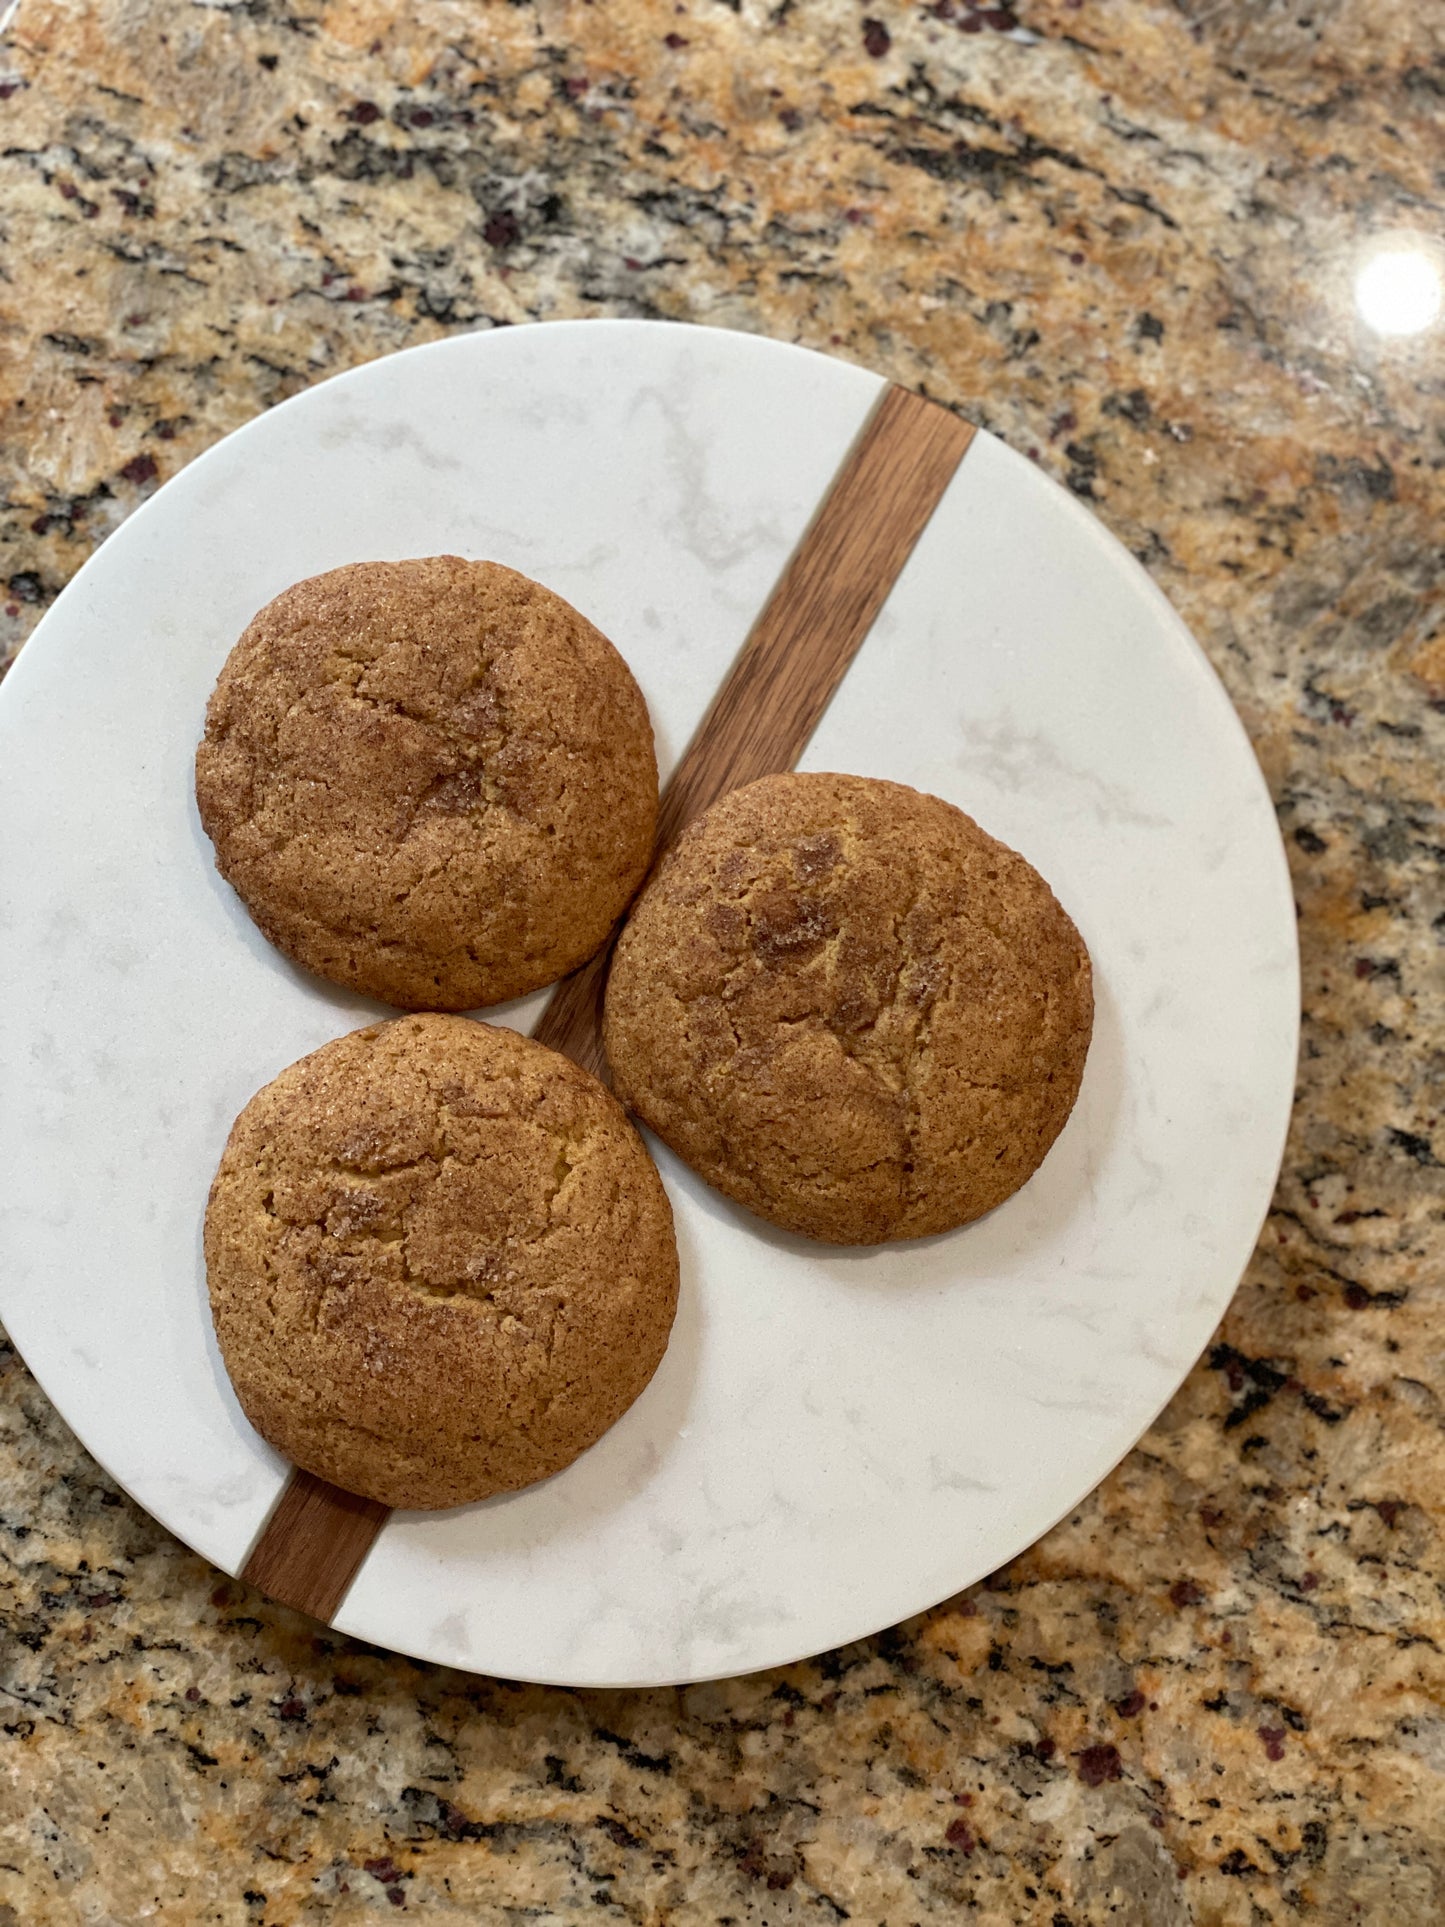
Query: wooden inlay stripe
{"points": [[770, 702], [312, 1546]]}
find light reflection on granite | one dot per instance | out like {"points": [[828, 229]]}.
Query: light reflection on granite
{"points": [[1122, 235]]}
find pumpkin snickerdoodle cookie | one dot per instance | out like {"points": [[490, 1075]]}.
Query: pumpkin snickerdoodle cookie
{"points": [[441, 1263], [850, 1009], [432, 781]]}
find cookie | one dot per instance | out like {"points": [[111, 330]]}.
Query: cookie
{"points": [[432, 781], [441, 1263], [848, 1008]]}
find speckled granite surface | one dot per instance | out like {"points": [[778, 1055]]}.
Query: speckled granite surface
{"points": [[1120, 233]]}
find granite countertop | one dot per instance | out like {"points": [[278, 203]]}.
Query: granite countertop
{"points": [[1121, 233]]}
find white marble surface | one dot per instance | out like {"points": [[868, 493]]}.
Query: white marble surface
{"points": [[834, 1439]]}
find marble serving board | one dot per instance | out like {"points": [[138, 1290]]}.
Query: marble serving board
{"points": [[835, 1439]]}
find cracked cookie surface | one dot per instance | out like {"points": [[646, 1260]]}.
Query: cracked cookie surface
{"points": [[441, 1263], [850, 1009], [432, 781]]}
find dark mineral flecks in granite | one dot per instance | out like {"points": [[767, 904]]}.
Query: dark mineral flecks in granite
{"points": [[1120, 233]]}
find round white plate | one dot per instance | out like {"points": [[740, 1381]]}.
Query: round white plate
{"points": [[835, 1439]]}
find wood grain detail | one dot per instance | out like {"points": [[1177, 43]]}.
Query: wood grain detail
{"points": [[759, 723], [312, 1546]]}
